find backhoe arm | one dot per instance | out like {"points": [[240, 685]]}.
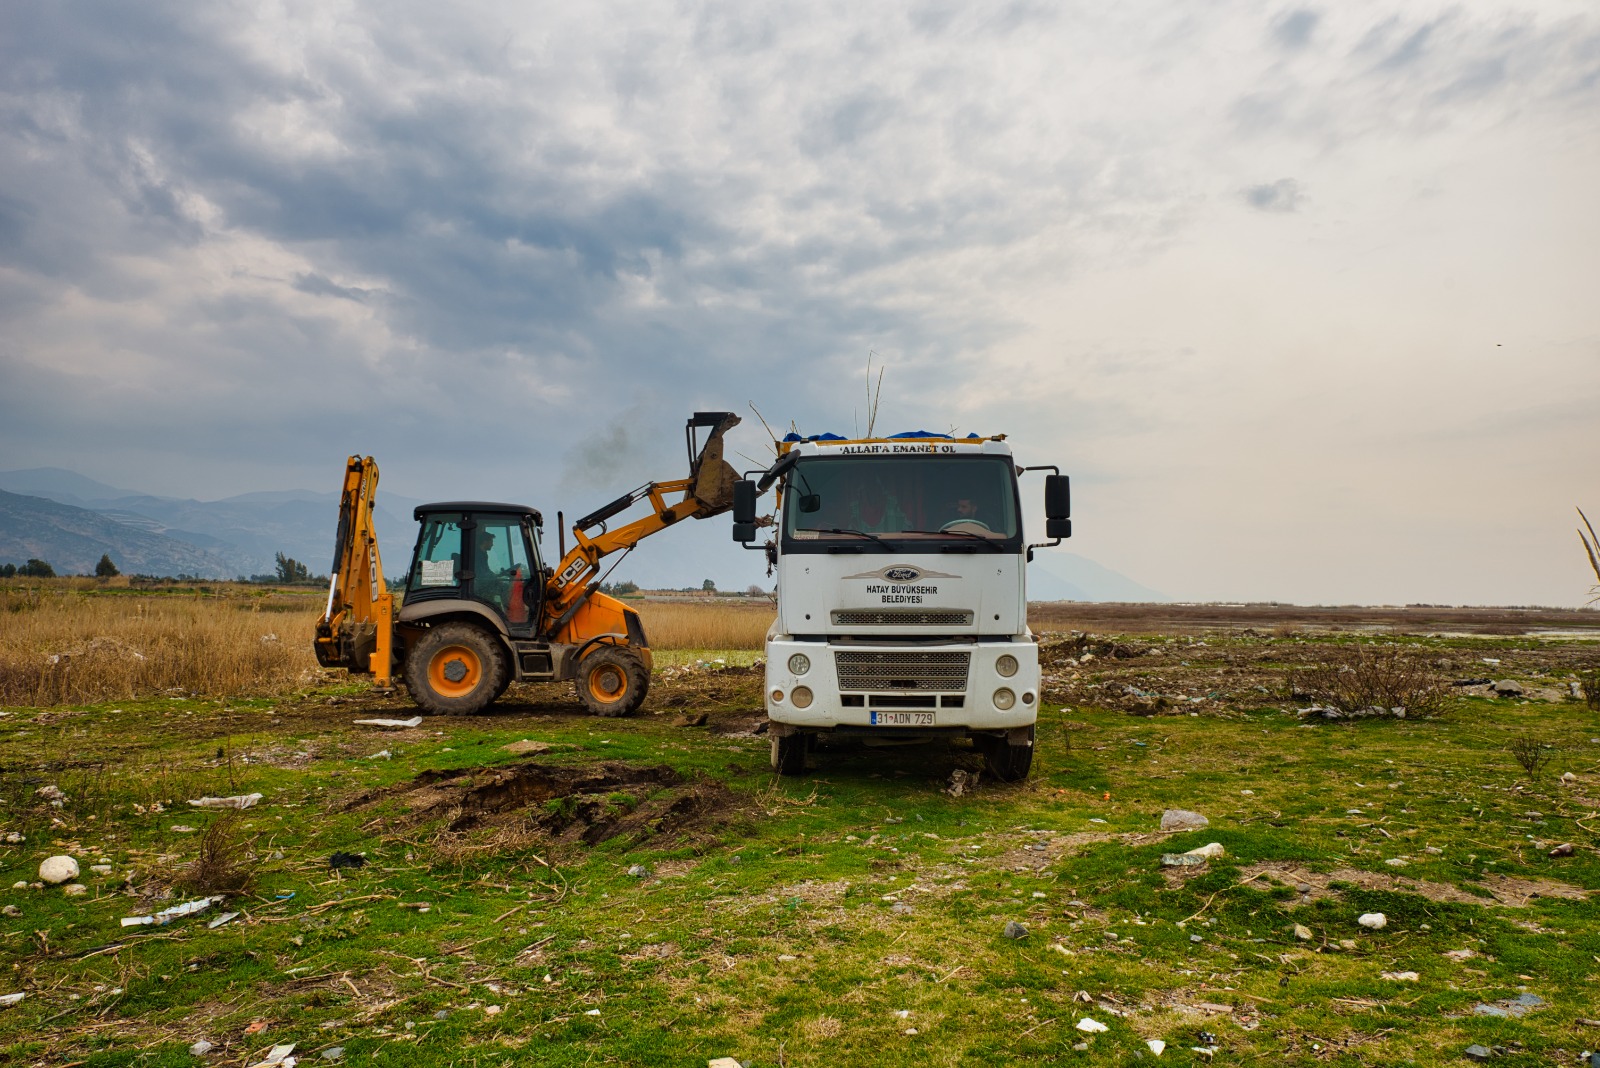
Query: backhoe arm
{"points": [[708, 491], [356, 631]]}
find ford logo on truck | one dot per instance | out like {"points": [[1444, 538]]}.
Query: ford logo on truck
{"points": [[901, 574]]}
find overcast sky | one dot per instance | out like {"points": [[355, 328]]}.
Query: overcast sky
{"points": [[1306, 298]]}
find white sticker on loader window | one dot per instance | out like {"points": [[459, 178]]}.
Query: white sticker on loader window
{"points": [[438, 573]]}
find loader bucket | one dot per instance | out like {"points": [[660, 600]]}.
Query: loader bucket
{"points": [[711, 477]]}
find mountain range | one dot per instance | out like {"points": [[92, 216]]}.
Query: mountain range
{"points": [[70, 520]]}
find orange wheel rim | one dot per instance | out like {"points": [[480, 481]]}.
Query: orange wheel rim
{"points": [[454, 671], [607, 682]]}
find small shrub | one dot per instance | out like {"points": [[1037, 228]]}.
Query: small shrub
{"points": [[223, 865], [1364, 677], [1531, 753], [1589, 683]]}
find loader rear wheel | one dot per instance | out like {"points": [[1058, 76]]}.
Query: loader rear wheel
{"points": [[455, 669], [612, 681]]}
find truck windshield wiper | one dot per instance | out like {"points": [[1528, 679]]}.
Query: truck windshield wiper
{"points": [[959, 534], [857, 533]]}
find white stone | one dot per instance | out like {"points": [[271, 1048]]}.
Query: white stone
{"points": [[1375, 920], [58, 870], [1091, 1026]]}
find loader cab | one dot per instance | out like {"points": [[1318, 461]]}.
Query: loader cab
{"points": [[482, 552]]}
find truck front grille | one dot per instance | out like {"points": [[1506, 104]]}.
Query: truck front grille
{"points": [[867, 617], [875, 671]]}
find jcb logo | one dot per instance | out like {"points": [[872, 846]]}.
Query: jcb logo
{"points": [[569, 573]]}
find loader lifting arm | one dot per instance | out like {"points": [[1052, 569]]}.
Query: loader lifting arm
{"points": [[356, 631], [708, 491]]}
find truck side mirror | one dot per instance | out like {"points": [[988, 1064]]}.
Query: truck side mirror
{"points": [[1057, 500], [1058, 528], [744, 510]]}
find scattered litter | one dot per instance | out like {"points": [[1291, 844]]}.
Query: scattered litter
{"points": [[639, 871], [58, 870], [240, 801], [526, 745], [785, 958], [1015, 930], [592, 1012], [1518, 1006], [1374, 920], [50, 793], [1562, 850], [959, 781], [1156, 1045], [166, 916], [1459, 955], [256, 1027], [904, 1014], [347, 860], [1302, 933], [333, 1053], [723, 1062], [488, 1010], [1194, 857], [15, 838], [420, 906], [181, 828], [226, 917], [1401, 977], [1397, 862], [1476, 1052], [395, 724], [200, 1048], [74, 889], [10, 910], [382, 754], [1567, 776], [279, 1056], [8, 1000], [1092, 1027], [284, 897]]}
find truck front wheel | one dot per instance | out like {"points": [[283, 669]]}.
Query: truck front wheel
{"points": [[1007, 762], [789, 754], [612, 681], [455, 669]]}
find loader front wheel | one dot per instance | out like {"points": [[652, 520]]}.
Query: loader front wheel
{"points": [[456, 669], [612, 681]]}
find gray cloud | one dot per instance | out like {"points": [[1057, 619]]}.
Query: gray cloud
{"points": [[1294, 29], [1283, 195]]}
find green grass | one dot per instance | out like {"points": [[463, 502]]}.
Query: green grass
{"points": [[689, 964]]}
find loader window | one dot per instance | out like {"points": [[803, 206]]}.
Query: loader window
{"points": [[500, 565], [438, 562]]}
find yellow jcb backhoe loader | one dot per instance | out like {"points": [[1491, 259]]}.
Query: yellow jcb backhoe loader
{"points": [[481, 609]]}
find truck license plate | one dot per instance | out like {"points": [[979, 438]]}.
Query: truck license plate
{"points": [[902, 719]]}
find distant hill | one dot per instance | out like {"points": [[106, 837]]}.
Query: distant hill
{"points": [[239, 535], [1070, 577], [73, 539]]}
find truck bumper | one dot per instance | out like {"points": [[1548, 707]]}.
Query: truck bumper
{"points": [[902, 689]]}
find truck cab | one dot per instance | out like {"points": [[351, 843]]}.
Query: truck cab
{"points": [[902, 601]]}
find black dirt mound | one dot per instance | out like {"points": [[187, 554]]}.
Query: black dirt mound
{"points": [[586, 804]]}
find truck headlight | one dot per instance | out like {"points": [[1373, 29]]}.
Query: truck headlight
{"points": [[800, 697], [1006, 665], [777, 697], [799, 664], [1004, 698]]}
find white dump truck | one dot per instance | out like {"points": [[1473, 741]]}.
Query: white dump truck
{"points": [[902, 592]]}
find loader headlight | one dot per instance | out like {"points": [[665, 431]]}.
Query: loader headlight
{"points": [[1004, 698], [799, 664], [1006, 665], [800, 697]]}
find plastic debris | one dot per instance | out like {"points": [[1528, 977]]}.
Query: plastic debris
{"points": [[226, 917], [58, 870], [277, 1057], [1374, 920], [166, 916], [239, 801], [8, 1000], [1092, 1027], [200, 1048], [333, 1053], [1562, 850], [382, 754], [391, 724], [1156, 1045]]}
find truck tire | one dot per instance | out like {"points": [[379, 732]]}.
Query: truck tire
{"points": [[1007, 762], [612, 681], [789, 754], [455, 669]]}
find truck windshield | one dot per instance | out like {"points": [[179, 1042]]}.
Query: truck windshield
{"points": [[956, 498]]}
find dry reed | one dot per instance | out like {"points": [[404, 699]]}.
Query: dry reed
{"points": [[706, 624]]}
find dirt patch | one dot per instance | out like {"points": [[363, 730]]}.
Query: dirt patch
{"points": [[1510, 891], [527, 802]]}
